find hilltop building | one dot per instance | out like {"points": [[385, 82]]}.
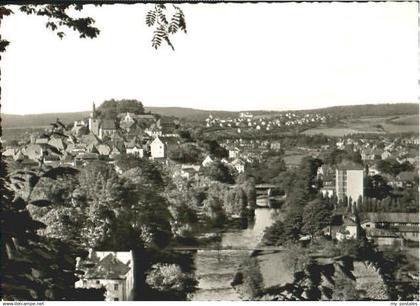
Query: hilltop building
{"points": [[349, 181]]}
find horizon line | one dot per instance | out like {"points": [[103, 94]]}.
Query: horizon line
{"points": [[221, 110]]}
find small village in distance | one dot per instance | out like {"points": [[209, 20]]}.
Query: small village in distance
{"points": [[293, 205]]}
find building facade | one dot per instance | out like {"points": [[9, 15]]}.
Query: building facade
{"points": [[349, 180], [113, 271], [157, 148]]}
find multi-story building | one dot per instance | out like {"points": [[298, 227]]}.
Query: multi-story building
{"points": [[349, 181], [112, 270]]}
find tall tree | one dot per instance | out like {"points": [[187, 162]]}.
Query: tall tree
{"points": [[316, 215], [33, 267]]}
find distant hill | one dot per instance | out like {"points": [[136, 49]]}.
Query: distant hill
{"points": [[39, 120], [189, 113], [393, 109], [25, 121]]}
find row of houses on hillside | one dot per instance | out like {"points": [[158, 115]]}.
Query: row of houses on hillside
{"points": [[267, 123], [385, 229], [381, 148]]}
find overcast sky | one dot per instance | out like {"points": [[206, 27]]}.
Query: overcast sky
{"points": [[234, 57]]}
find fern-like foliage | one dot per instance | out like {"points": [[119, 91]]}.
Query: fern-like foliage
{"points": [[157, 18], [59, 18]]}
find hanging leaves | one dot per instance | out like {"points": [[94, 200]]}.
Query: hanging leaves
{"points": [[59, 18], [163, 27], [150, 18]]}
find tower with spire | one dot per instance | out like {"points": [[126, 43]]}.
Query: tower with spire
{"points": [[94, 122]]}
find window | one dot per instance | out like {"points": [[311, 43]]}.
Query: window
{"points": [[97, 282], [115, 286], [116, 299]]}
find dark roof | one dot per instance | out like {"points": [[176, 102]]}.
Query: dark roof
{"points": [[349, 165], [379, 232], [393, 217], [108, 124], [109, 267]]}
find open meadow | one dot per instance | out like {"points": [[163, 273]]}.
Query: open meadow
{"points": [[374, 125]]}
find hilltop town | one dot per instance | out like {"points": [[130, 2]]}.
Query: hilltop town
{"points": [[130, 187]]}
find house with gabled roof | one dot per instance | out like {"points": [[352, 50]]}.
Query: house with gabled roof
{"points": [[404, 225], [103, 149], [160, 145], [136, 150], [34, 152], [115, 151], [10, 152], [207, 161], [107, 128], [58, 143], [113, 271], [234, 152], [127, 122], [158, 148], [89, 139]]}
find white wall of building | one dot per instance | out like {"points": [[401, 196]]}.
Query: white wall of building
{"points": [[157, 148], [355, 184]]}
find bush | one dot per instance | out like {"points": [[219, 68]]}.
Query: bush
{"points": [[169, 277]]}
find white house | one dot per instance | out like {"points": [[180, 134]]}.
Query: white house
{"points": [[386, 154], [112, 270], [347, 231], [207, 161], [135, 150], [158, 148], [234, 153]]}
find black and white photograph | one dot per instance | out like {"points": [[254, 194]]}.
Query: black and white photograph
{"points": [[199, 151]]}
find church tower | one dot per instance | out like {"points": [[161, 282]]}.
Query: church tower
{"points": [[94, 122]]}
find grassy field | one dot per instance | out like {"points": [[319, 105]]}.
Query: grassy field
{"points": [[406, 120], [274, 269], [375, 125], [335, 132], [293, 157]]}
